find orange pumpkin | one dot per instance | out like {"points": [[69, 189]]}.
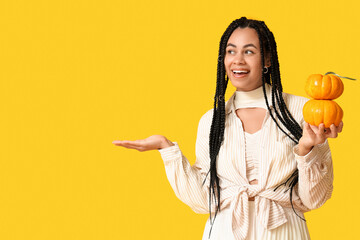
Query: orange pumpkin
{"points": [[322, 111], [324, 86]]}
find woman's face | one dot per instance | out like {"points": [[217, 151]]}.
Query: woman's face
{"points": [[243, 59]]}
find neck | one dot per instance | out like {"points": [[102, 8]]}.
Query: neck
{"points": [[252, 99]]}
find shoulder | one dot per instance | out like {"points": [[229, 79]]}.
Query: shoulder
{"points": [[206, 118], [295, 104], [205, 123], [294, 99]]}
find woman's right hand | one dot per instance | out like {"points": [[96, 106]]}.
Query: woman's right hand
{"points": [[154, 142]]}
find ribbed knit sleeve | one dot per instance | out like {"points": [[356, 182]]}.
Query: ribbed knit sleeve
{"points": [[186, 180], [315, 175]]}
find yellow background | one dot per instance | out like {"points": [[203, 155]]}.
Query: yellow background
{"points": [[76, 75]]}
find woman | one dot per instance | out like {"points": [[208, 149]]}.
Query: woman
{"points": [[251, 149]]}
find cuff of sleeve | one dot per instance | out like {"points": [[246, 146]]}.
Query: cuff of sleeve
{"points": [[308, 159], [170, 153]]}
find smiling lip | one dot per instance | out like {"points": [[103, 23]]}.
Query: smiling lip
{"points": [[239, 76]]}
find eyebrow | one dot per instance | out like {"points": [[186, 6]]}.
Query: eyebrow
{"points": [[247, 45]]}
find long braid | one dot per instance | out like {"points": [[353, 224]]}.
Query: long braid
{"points": [[282, 105], [218, 121], [277, 88], [291, 122]]}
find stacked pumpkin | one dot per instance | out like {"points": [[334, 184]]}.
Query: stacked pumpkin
{"points": [[322, 109]]}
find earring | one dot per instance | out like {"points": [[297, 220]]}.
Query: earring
{"points": [[266, 69], [220, 98]]}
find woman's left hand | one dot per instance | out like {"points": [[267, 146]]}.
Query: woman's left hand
{"points": [[313, 135]]}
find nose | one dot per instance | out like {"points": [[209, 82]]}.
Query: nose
{"points": [[239, 59]]}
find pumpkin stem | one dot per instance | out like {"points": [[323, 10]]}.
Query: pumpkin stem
{"points": [[339, 75]]}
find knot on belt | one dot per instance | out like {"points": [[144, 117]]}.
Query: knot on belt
{"points": [[268, 212]]}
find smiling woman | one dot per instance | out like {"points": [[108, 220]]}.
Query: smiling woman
{"points": [[251, 149]]}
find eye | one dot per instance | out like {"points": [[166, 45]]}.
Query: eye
{"points": [[248, 52], [230, 51]]}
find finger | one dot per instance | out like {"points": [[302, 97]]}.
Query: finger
{"points": [[323, 133], [334, 130], [128, 146], [131, 145], [313, 128], [117, 142], [332, 133], [309, 129], [340, 127], [320, 129], [120, 143], [126, 143]]}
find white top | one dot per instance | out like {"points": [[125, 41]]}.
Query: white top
{"points": [[252, 146], [252, 99]]}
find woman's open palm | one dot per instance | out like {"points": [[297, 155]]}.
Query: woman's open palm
{"points": [[154, 142]]}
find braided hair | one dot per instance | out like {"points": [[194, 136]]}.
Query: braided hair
{"points": [[272, 77]]}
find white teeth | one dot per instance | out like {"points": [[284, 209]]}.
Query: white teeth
{"points": [[239, 71]]}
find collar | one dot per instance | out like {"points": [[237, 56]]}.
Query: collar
{"points": [[249, 99]]}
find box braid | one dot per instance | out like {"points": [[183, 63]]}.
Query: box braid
{"points": [[267, 45]]}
